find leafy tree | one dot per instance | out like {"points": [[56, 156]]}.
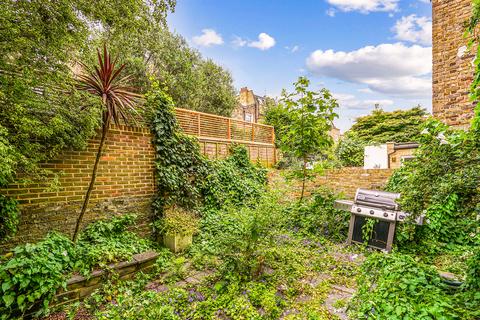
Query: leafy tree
{"points": [[117, 104], [396, 126], [349, 150], [192, 81], [214, 90], [277, 115], [311, 119], [41, 112], [149, 48], [379, 127]]}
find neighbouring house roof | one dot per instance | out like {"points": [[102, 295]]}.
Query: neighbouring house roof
{"points": [[405, 145]]}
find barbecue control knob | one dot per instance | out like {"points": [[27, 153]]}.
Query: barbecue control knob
{"points": [[401, 217], [385, 214], [372, 212], [359, 210]]}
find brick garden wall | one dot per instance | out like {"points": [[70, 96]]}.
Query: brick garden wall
{"points": [[124, 184], [452, 71], [347, 180]]}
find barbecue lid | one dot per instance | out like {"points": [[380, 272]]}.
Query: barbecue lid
{"points": [[376, 198]]}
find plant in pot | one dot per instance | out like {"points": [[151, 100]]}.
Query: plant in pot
{"points": [[177, 227]]}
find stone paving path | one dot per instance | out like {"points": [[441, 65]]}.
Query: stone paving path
{"points": [[338, 293]]}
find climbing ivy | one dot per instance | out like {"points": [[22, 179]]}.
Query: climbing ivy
{"points": [[185, 177], [180, 167], [472, 33], [8, 217]]}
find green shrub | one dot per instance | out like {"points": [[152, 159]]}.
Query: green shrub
{"points": [[472, 281], [317, 216], [233, 181], [31, 277], [350, 151], [239, 237], [395, 286], [185, 178], [107, 241], [442, 182], [34, 273], [177, 221], [9, 213]]}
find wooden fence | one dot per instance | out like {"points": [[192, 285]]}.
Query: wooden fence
{"points": [[215, 133]]}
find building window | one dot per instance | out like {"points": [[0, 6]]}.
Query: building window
{"points": [[248, 117], [407, 158]]}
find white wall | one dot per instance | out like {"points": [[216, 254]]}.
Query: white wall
{"points": [[376, 157]]}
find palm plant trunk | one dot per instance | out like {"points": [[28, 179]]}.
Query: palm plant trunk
{"points": [[105, 129]]}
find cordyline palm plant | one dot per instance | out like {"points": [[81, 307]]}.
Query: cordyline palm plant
{"points": [[118, 102]]}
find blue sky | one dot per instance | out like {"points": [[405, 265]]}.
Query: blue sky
{"points": [[364, 51]]}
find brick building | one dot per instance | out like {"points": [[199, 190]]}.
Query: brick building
{"points": [[250, 106], [335, 134], [390, 155], [452, 62]]}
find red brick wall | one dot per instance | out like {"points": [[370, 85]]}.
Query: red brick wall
{"points": [[125, 184], [452, 74]]}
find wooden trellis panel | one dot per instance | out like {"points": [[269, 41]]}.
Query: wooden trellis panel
{"points": [[215, 133], [212, 126]]}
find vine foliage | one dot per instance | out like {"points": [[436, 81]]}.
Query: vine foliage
{"points": [[180, 167], [187, 179], [9, 217]]}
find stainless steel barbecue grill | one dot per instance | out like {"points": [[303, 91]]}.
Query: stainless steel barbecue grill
{"points": [[379, 205]]}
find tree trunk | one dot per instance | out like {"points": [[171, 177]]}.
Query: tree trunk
{"points": [[105, 129], [304, 178]]}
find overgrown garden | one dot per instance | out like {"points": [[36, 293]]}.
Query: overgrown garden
{"points": [[263, 248]]}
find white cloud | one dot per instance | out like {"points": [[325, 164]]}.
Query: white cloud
{"points": [[209, 37], [293, 49], [380, 102], [414, 29], [394, 69], [264, 42], [239, 42], [331, 12], [349, 101], [365, 6], [365, 90], [416, 87]]}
